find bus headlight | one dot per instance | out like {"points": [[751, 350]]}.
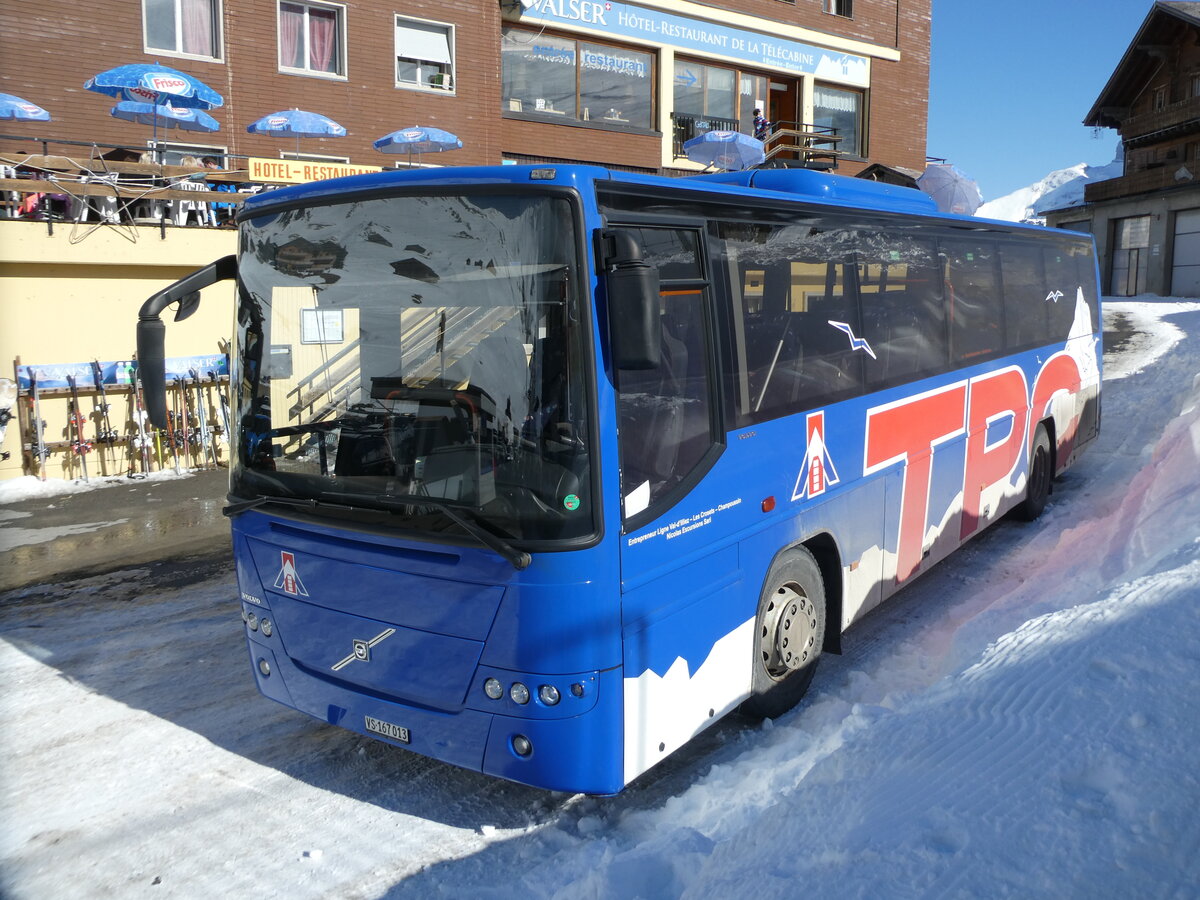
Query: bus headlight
{"points": [[519, 693], [493, 688], [521, 745], [548, 694]]}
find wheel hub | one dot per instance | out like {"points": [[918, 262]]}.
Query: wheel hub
{"points": [[787, 639]]}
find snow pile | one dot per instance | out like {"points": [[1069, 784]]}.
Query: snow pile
{"points": [[1058, 190], [30, 487], [1021, 722]]}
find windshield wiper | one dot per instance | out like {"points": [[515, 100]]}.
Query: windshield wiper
{"points": [[236, 509], [396, 502]]}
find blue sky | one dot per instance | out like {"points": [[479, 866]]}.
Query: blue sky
{"points": [[1011, 82]]}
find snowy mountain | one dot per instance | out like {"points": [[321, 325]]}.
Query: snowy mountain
{"points": [[1059, 189]]}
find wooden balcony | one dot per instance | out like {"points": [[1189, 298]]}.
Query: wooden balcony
{"points": [[1144, 182], [1181, 117]]}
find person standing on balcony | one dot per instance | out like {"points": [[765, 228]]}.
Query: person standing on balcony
{"points": [[762, 128]]}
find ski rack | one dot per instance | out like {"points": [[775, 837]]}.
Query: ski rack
{"points": [[129, 459]]}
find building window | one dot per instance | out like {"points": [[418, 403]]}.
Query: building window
{"points": [[186, 27], [840, 7], [175, 154], [715, 98], [312, 157], [842, 110], [311, 38], [424, 54], [559, 78], [1160, 98]]}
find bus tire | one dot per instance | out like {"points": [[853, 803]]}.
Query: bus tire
{"points": [[1037, 485], [789, 631]]}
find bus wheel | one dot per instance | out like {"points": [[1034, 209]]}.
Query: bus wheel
{"points": [[1037, 486], [788, 634]]}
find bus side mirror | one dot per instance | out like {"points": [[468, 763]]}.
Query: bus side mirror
{"points": [[633, 318], [151, 331]]}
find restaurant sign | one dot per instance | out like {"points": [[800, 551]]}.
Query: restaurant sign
{"points": [[642, 23], [298, 171]]}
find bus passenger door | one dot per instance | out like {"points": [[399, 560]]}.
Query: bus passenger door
{"points": [[680, 578]]}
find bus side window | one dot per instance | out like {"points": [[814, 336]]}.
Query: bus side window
{"points": [[1063, 270], [789, 282], [973, 298], [904, 316], [1026, 287], [665, 414]]}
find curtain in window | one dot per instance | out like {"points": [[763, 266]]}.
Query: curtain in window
{"points": [[291, 20], [197, 19], [322, 35]]}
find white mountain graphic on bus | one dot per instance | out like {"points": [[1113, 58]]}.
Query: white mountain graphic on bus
{"points": [[818, 471], [288, 580]]}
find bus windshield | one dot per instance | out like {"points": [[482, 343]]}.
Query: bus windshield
{"points": [[408, 347]]}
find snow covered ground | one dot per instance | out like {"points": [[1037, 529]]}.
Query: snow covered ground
{"points": [[1023, 721]]}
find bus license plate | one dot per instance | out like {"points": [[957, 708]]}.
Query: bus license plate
{"points": [[387, 729]]}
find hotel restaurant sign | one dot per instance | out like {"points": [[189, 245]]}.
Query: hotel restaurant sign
{"points": [[655, 26], [298, 171]]}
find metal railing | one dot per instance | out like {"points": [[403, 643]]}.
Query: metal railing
{"points": [[685, 127]]}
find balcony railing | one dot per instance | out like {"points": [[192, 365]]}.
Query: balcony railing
{"points": [[1186, 112], [687, 127]]}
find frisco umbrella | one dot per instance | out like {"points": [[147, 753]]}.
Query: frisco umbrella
{"points": [[182, 117], [728, 150], [418, 139], [154, 83], [12, 107], [951, 190], [297, 123]]}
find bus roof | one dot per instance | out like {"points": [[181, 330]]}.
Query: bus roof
{"points": [[790, 183]]}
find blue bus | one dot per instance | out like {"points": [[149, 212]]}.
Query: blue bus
{"points": [[542, 470]]}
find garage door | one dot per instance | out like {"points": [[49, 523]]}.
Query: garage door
{"points": [[1185, 272]]}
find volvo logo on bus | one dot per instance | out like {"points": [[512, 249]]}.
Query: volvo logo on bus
{"points": [[361, 650]]}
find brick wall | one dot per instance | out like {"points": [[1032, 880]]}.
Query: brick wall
{"points": [[369, 104]]}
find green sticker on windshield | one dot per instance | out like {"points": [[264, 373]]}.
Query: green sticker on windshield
{"points": [[571, 502]]}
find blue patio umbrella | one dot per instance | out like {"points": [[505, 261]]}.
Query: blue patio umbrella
{"points": [[297, 123], [729, 150], [12, 107], [182, 117], [418, 139], [154, 83]]}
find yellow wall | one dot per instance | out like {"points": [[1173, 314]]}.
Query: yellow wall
{"points": [[74, 296]]}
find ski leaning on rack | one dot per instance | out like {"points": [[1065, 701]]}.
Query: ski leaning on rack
{"points": [[139, 416], [40, 451], [223, 400], [107, 434], [186, 434], [209, 450], [8, 397], [80, 445]]}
